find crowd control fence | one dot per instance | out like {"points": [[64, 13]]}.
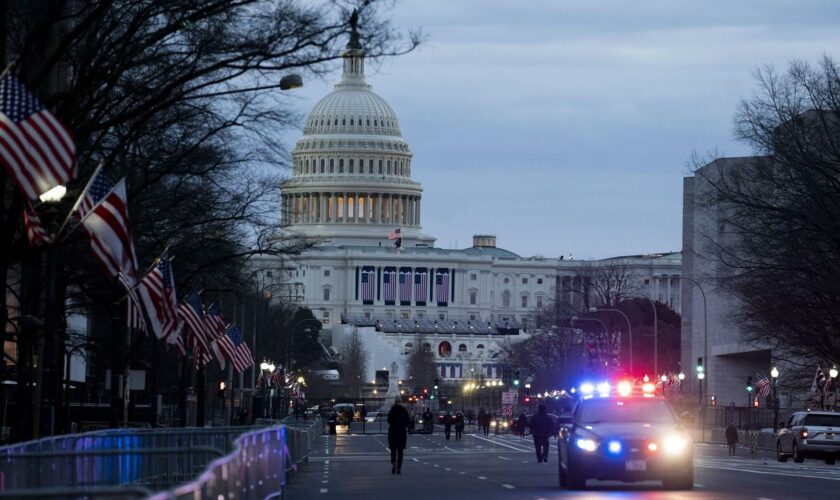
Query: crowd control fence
{"points": [[177, 463]]}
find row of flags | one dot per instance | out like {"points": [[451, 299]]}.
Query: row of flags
{"points": [[39, 153]]}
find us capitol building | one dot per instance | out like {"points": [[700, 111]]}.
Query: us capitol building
{"points": [[351, 186]]}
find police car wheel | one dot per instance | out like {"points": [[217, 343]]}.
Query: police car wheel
{"points": [[682, 482], [574, 481]]}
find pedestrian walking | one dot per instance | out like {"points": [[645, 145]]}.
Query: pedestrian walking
{"points": [[397, 436], [731, 438], [447, 425], [459, 426], [485, 422], [522, 423], [541, 427], [428, 425]]}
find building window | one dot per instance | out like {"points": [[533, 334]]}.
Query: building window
{"points": [[506, 298], [326, 273], [473, 277], [480, 346], [405, 314], [506, 280], [269, 274], [441, 316], [326, 294], [427, 346], [351, 122], [539, 281], [524, 281], [462, 348], [539, 301], [408, 347], [380, 166], [445, 349], [473, 297], [647, 282], [368, 122], [524, 301], [332, 165], [322, 165], [472, 317], [367, 314], [350, 167], [370, 166]]}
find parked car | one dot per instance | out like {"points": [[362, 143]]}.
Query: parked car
{"points": [[810, 434], [376, 416]]}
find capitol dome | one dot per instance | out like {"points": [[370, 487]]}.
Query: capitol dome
{"points": [[351, 181]]}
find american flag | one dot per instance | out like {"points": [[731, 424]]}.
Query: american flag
{"points": [[97, 188], [37, 150], [134, 309], [177, 340], [762, 385], [233, 347], [405, 286], [368, 285], [442, 287], [396, 233], [158, 291], [420, 287], [389, 285], [278, 378], [107, 226], [215, 321], [36, 233], [189, 310]]}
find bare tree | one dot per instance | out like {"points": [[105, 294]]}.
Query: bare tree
{"points": [[609, 284], [354, 364], [776, 216], [421, 365]]}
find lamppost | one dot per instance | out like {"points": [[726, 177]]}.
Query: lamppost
{"points": [[705, 338], [655, 335], [833, 374], [629, 331], [681, 377], [287, 82], [774, 374], [267, 366]]}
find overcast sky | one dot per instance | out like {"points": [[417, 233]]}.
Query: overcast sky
{"points": [[566, 127]]}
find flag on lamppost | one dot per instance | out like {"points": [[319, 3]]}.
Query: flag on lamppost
{"points": [[134, 309], [107, 226], [36, 233], [216, 329], [232, 347], [158, 292], [38, 151], [189, 310]]}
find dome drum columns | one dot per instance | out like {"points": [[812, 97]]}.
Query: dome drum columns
{"points": [[351, 208]]}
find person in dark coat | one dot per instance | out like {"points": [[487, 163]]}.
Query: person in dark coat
{"points": [[398, 419], [428, 425], [542, 425], [731, 438], [485, 423], [522, 423], [447, 425], [459, 426]]}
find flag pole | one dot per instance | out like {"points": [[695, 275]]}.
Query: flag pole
{"points": [[79, 200]]}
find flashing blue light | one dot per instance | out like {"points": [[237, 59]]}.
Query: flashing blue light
{"points": [[614, 447], [586, 388]]}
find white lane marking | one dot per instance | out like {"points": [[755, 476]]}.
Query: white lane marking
{"points": [[482, 478], [774, 473], [415, 460], [500, 444], [447, 468], [450, 449], [436, 465], [462, 473], [509, 486], [505, 458], [764, 498], [323, 490], [325, 481]]}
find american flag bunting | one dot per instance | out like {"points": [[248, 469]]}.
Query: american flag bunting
{"points": [[36, 233], [442, 287], [420, 286], [389, 285]]}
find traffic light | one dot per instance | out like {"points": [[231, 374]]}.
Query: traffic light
{"points": [[221, 391], [437, 382], [749, 384], [700, 364], [714, 400], [425, 390], [516, 378]]}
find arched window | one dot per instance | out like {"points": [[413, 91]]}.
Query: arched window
{"points": [[380, 167], [462, 348], [351, 166], [343, 122], [322, 165], [445, 349], [374, 123], [341, 165], [524, 299], [332, 165], [480, 346], [427, 346], [351, 122], [368, 122], [408, 347], [336, 122], [506, 298], [370, 166]]}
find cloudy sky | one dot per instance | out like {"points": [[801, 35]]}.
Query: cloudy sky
{"points": [[566, 126]]}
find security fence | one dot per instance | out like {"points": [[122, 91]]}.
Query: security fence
{"points": [[132, 463]]}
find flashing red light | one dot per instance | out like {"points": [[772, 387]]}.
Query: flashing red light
{"points": [[425, 391], [624, 388], [527, 399]]}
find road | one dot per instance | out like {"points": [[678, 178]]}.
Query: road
{"points": [[504, 467]]}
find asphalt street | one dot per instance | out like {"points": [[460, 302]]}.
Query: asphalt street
{"points": [[358, 466]]}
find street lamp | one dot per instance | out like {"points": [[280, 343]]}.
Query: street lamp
{"points": [[629, 331], [267, 366], [288, 82], [774, 373]]}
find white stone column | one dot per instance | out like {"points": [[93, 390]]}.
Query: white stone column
{"points": [[418, 211], [334, 207], [356, 198], [321, 208]]}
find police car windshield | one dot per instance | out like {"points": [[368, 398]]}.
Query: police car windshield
{"points": [[611, 410]]}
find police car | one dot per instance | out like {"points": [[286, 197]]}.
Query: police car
{"points": [[624, 434]]}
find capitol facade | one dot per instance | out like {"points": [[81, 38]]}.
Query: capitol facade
{"points": [[350, 188]]}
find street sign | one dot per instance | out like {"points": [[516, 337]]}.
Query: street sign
{"points": [[509, 397], [507, 410]]}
